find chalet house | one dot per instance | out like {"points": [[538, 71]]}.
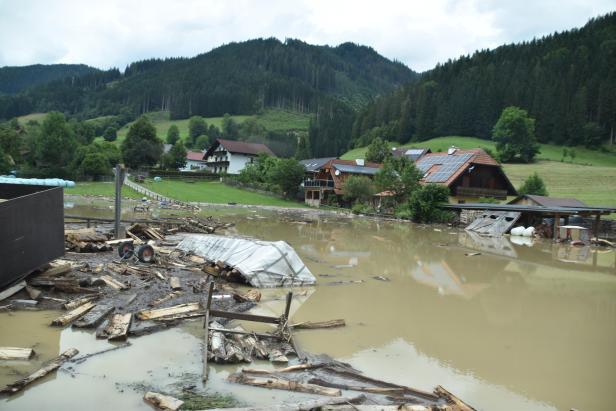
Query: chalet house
{"points": [[469, 174], [194, 161], [230, 156], [412, 154], [325, 177]]}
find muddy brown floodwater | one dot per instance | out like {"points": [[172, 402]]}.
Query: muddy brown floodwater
{"points": [[529, 326]]}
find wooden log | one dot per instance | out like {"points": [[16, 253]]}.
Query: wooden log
{"points": [[452, 399], [165, 312], [250, 295], [113, 283], [174, 283], [12, 290], [247, 317], [46, 369], [16, 353], [71, 305], [71, 316], [310, 325], [318, 404], [280, 384], [163, 402], [184, 316], [372, 390], [117, 327], [206, 336], [34, 293], [94, 317]]}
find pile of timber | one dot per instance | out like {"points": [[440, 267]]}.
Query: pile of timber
{"points": [[143, 232], [221, 270], [194, 224], [86, 240]]}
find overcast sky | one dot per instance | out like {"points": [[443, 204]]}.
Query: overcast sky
{"points": [[112, 33]]}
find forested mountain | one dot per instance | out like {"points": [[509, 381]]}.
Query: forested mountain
{"points": [[16, 79], [566, 81], [237, 78]]}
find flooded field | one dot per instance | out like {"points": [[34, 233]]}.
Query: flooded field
{"points": [[528, 326]]}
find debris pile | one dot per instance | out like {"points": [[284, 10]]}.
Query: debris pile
{"points": [[86, 240]]}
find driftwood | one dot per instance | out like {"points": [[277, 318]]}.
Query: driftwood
{"points": [[94, 317], [452, 399], [164, 402], [317, 404], [165, 312], [71, 305], [344, 282], [12, 290], [71, 316], [46, 369], [117, 327], [310, 325], [34, 293], [82, 358], [165, 298], [16, 353], [279, 383], [372, 390], [290, 368]]}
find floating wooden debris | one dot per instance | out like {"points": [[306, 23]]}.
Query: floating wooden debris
{"points": [[165, 312], [165, 298], [117, 327], [164, 402], [174, 283], [452, 399], [49, 367], [73, 315], [34, 293], [94, 317], [344, 282], [16, 353], [310, 325], [279, 383], [381, 278]]}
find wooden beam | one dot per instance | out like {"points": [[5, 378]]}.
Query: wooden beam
{"points": [[247, 317], [16, 353], [165, 312], [12, 290], [117, 327], [71, 316], [94, 317], [279, 383], [49, 367]]}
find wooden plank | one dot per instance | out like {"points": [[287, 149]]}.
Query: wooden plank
{"points": [[279, 383], [16, 353], [164, 402], [113, 283], [12, 290], [117, 327], [206, 339], [73, 315], [34, 293], [174, 283], [94, 317], [71, 305], [165, 298], [165, 312], [247, 317], [452, 399], [310, 325], [46, 369], [57, 270]]}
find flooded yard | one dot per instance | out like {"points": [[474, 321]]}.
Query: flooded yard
{"points": [[504, 326]]}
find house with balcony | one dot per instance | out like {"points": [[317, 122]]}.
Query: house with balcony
{"points": [[325, 177], [469, 174], [231, 156]]}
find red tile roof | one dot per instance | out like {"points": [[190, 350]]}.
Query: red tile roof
{"points": [[194, 155]]}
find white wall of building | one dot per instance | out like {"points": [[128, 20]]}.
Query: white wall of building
{"points": [[237, 162], [194, 165]]}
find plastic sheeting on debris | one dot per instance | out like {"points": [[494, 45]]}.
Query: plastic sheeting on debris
{"points": [[261, 263]]}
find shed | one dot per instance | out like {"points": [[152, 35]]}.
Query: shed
{"points": [[543, 201]]}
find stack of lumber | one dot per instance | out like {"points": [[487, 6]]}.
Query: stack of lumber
{"points": [[221, 270], [86, 240], [144, 232]]}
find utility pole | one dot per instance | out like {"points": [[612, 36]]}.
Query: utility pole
{"points": [[119, 180]]}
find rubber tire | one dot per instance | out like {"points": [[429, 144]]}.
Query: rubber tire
{"points": [[145, 253], [126, 249]]}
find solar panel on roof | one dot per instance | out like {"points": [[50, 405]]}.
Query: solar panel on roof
{"points": [[449, 164], [356, 169]]}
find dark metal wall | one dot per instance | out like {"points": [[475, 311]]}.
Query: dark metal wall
{"points": [[31, 229]]}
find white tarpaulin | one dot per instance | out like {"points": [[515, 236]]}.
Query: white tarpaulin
{"points": [[261, 263]]}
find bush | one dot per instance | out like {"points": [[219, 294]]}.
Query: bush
{"points": [[110, 134], [358, 188], [514, 134], [359, 208], [424, 202], [533, 185]]}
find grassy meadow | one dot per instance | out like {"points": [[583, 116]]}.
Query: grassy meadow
{"points": [[100, 188], [214, 192]]}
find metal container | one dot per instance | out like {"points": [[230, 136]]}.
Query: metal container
{"points": [[31, 229]]}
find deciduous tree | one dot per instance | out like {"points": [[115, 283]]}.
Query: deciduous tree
{"points": [[141, 146], [514, 134]]}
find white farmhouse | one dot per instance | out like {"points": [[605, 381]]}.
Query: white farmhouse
{"points": [[229, 156], [194, 161]]}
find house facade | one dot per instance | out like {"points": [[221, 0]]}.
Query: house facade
{"points": [[194, 161], [469, 174], [325, 177], [230, 156]]}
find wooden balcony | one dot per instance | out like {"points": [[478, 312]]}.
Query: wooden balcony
{"points": [[481, 192]]}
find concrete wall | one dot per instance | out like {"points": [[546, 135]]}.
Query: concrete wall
{"points": [[237, 162]]}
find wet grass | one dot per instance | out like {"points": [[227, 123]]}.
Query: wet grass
{"points": [[100, 188], [196, 401], [214, 192]]}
